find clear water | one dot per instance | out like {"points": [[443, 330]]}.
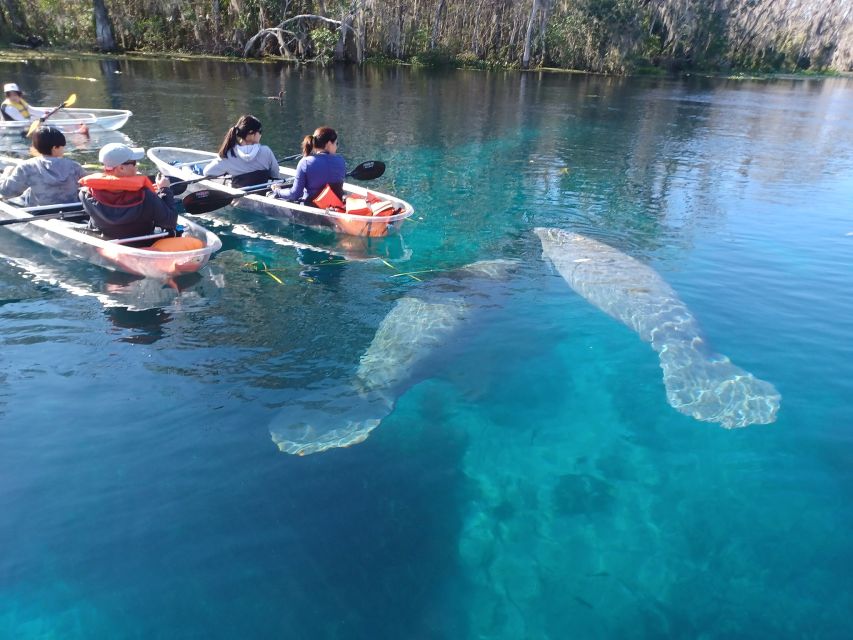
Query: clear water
{"points": [[532, 481]]}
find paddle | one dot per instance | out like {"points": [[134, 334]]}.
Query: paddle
{"points": [[36, 123], [213, 199], [68, 212], [181, 184]]}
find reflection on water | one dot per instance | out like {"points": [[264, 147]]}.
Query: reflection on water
{"points": [[143, 305], [147, 325]]}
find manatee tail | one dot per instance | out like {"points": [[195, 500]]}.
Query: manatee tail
{"points": [[713, 389], [327, 419]]}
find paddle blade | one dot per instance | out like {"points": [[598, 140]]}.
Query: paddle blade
{"points": [[369, 170], [71, 100], [178, 186], [33, 127], [206, 201]]}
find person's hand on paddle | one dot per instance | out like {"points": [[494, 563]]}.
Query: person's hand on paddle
{"points": [[162, 182]]}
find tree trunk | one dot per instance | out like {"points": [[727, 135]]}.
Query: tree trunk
{"points": [[16, 19], [528, 37], [436, 23], [217, 24], [103, 28]]}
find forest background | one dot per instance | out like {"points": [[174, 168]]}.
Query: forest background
{"points": [[610, 36]]}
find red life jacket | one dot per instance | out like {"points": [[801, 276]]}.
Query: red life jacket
{"points": [[107, 182], [117, 191]]}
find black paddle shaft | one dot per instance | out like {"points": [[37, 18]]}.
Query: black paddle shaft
{"points": [[213, 199]]}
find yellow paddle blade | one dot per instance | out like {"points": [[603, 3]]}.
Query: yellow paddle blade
{"points": [[71, 100], [33, 127]]}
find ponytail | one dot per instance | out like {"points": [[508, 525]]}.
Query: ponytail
{"points": [[307, 146], [245, 126], [320, 138]]}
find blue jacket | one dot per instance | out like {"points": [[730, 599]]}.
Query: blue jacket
{"points": [[312, 174]]}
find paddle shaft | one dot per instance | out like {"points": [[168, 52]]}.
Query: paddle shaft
{"points": [[213, 199], [68, 101], [61, 215], [295, 156]]}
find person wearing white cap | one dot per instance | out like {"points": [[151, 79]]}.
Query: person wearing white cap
{"points": [[14, 107], [123, 204]]}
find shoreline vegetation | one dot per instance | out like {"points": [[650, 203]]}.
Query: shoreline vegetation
{"points": [[738, 38], [11, 55]]}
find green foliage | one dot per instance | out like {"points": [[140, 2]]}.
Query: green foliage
{"points": [[470, 60], [324, 41], [611, 36], [437, 57]]}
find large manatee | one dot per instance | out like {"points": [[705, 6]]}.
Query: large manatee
{"points": [[698, 382], [407, 347]]}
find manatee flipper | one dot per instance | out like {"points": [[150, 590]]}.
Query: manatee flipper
{"points": [[326, 419], [409, 341], [713, 389], [699, 383]]}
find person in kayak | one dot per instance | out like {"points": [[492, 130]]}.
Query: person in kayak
{"points": [[243, 157], [320, 166], [122, 203], [48, 178], [14, 107]]}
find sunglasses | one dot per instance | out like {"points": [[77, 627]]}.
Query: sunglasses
{"points": [[131, 163]]}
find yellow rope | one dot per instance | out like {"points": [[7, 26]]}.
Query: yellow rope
{"points": [[388, 264]]}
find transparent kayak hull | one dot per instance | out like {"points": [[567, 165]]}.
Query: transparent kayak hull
{"points": [[71, 238], [69, 120], [176, 162]]}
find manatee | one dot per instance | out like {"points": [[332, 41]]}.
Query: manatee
{"points": [[698, 382], [407, 347]]}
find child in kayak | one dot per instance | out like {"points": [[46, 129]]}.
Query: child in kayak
{"points": [[243, 157], [46, 179]]}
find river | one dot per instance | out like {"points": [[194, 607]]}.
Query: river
{"points": [[531, 480]]}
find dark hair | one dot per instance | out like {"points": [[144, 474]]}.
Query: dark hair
{"points": [[245, 126], [46, 138], [321, 137]]}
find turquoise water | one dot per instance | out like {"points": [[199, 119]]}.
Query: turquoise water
{"points": [[532, 481]]}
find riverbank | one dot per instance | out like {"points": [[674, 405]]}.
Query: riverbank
{"points": [[25, 55]]}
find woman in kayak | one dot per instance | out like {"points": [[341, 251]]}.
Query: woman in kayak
{"points": [[243, 157], [46, 179], [320, 166]]}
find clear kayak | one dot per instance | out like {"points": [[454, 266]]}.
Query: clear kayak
{"points": [[177, 163], [70, 235], [69, 120]]}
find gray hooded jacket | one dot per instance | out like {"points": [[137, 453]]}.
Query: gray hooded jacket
{"points": [[244, 159], [43, 180]]}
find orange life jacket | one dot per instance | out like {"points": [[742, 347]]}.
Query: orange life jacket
{"points": [[107, 182]]}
